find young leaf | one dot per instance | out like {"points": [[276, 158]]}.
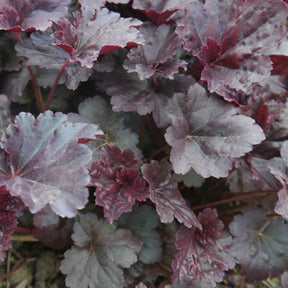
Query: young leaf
{"points": [[95, 32], [232, 40], [45, 164], [117, 182], [31, 15], [260, 244], [155, 55], [99, 254], [203, 255], [164, 193], [207, 134]]}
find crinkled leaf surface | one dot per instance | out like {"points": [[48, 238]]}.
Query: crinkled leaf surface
{"points": [[259, 244], [232, 39], [117, 181], [5, 117], [155, 55], [208, 134], [202, 254], [97, 111], [278, 167], [99, 254], [142, 222], [164, 193], [43, 162], [27, 15], [94, 33]]}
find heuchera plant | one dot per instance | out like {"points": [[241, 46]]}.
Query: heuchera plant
{"points": [[148, 140]]}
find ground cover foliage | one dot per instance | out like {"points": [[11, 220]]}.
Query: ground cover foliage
{"points": [[144, 143]]}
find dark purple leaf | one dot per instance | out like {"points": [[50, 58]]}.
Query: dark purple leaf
{"points": [[95, 33], [129, 93], [161, 42], [203, 255], [260, 244], [117, 182], [102, 251], [164, 193], [207, 133], [44, 163], [56, 236], [29, 15], [232, 40]]}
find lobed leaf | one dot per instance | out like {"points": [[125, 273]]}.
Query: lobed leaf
{"points": [[155, 55], [203, 256], [232, 40], [207, 133], [117, 181], [164, 193], [94, 33], [99, 253], [43, 163], [259, 244], [29, 15]]}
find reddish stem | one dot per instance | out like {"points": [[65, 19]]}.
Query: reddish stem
{"points": [[229, 200], [23, 230], [21, 263], [55, 84], [33, 80]]}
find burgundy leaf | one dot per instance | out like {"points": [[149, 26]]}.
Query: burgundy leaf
{"points": [[260, 244], [232, 40], [44, 163], [155, 55], [29, 15], [8, 219], [159, 10], [207, 134], [164, 193], [203, 255], [102, 251], [117, 182], [280, 64], [95, 33]]}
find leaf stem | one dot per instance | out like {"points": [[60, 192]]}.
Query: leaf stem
{"points": [[21, 263], [23, 230], [234, 198], [55, 84], [37, 91]]}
